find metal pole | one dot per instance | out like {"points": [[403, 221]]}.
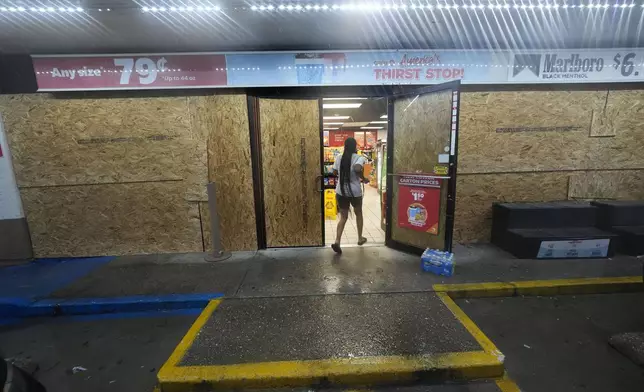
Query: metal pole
{"points": [[218, 252]]}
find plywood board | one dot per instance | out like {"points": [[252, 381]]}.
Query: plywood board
{"points": [[623, 117], [290, 138], [626, 185], [112, 219], [223, 120], [422, 127], [475, 194], [603, 124], [508, 131], [111, 140]]}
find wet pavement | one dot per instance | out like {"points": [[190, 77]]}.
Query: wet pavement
{"points": [[328, 327], [561, 344], [310, 271], [118, 354]]}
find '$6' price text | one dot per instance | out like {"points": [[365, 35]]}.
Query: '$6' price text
{"points": [[626, 64]]}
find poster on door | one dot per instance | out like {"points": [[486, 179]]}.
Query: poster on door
{"points": [[419, 202]]}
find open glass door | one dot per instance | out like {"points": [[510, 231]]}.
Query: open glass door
{"points": [[421, 168]]}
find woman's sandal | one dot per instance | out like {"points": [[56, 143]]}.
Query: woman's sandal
{"points": [[336, 248], [362, 241]]}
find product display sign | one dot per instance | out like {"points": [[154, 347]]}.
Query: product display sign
{"points": [[10, 203], [337, 138], [419, 202], [130, 72], [573, 249], [348, 68]]}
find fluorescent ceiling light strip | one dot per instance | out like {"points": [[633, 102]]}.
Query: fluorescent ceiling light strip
{"points": [[378, 122], [331, 128], [383, 116], [341, 105], [335, 117], [371, 127], [333, 123], [343, 99]]}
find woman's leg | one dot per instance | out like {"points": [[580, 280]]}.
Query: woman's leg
{"points": [[359, 220], [357, 209], [344, 215]]}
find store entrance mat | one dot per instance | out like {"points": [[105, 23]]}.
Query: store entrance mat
{"points": [[329, 340]]}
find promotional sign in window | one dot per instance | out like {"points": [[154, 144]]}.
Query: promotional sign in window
{"points": [[419, 202], [337, 138]]}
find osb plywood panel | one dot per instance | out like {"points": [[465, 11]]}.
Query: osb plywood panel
{"points": [[421, 132], [111, 140], [603, 125], [475, 194], [290, 133], [627, 184], [623, 116], [111, 220], [526, 130], [223, 120]]}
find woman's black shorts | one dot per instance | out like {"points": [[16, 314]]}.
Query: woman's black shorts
{"points": [[344, 201]]}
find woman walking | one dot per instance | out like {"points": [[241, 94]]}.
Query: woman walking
{"points": [[350, 169]]}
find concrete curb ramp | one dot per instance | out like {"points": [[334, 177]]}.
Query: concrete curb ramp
{"points": [[371, 371], [362, 371]]}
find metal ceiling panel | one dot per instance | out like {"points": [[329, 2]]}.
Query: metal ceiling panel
{"points": [[125, 29]]}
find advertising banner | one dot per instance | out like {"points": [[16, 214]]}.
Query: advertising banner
{"points": [[130, 72], [10, 203], [347, 68], [419, 202], [337, 138], [571, 66]]}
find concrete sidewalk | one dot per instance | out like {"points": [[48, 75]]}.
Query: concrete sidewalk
{"points": [[318, 271]]}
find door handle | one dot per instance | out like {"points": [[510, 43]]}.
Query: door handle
{"points": [[321, 179]]}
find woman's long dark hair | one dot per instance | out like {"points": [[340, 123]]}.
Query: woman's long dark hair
{"points": [[350, 148]]}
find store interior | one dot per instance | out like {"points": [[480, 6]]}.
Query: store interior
{"points": [[364, 119]]}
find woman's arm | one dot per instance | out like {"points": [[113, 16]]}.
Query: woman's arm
{"points": [[359, 169]]}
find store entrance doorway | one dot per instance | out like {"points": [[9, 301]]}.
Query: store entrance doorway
{"points": [[365, 120], [408, 145]]}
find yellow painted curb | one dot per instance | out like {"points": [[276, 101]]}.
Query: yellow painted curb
{"points": [[472, 328], [470, 290], [505, 384], [345, 371], [543, 287], [187, 340]]}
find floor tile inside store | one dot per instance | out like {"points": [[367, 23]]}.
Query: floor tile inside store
{"points": [[371, 230]]}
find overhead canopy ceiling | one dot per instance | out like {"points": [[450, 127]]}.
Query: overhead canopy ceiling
{"points": [[240, 26]]}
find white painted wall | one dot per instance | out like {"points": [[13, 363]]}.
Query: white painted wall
{"points": [[10, 203], [382, 134]]}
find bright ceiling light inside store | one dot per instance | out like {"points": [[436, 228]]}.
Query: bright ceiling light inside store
{"points": [[371, 127], [383, 116], [343, 99], [330, 129], [378, 122], [336, 117], [333, 123], [341, 105]]}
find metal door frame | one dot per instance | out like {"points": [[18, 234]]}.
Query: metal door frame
{"points": [[451, 182]]}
